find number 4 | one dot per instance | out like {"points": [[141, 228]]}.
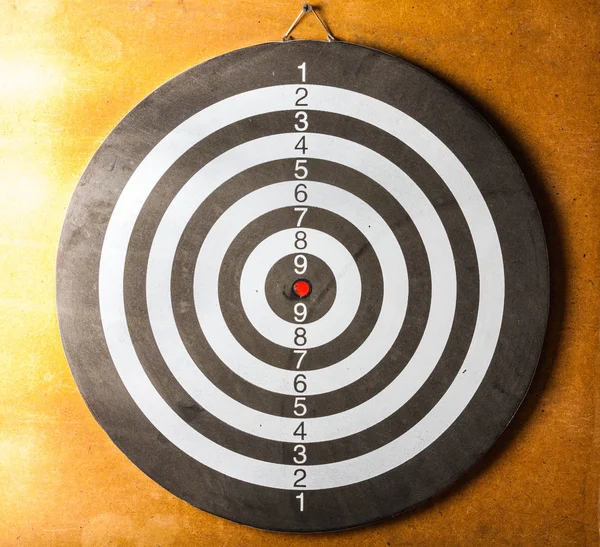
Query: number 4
{"points": [[300, 431], [301, 145]]}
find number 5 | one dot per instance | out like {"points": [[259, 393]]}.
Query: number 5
{"points": [[299, 407], [300, 171]]}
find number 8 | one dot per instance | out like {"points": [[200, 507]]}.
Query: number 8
{"points": [[300, 242]]}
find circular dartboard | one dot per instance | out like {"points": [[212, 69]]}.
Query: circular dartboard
{"points": [[303, 286]]}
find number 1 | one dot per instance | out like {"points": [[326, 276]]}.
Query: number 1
{"points": [[302, 68], [300, 497]]}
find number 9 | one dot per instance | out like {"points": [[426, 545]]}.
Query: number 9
{"points": [[301, 264], [300, 312]]}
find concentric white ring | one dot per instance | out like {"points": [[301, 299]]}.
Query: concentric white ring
{"points": [[233, 354], [254, 299], [246, 365], [432, 150], [387, 327], [206, 273]]}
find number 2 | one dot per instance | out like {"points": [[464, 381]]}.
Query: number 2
{"points": [[302, 93], [301, 474]]}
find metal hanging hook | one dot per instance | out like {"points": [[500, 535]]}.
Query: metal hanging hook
{"points": [[306, 9]]}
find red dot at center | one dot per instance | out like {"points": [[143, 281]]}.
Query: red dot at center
{"points": [[301, 288]]}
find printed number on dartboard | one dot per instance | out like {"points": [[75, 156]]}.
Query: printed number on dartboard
{"points": [[301, 310]]}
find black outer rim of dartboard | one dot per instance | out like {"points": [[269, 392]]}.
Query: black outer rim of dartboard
{"points": [[83, 380]]}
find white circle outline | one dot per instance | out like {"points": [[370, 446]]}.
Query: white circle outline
{"points": [[364, 358], [226, 347], [474, 209], [253, 285]]}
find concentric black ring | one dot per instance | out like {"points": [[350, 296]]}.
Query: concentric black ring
{"points": [[282, 277]]}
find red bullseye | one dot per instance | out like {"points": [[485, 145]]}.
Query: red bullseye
{"points": [[301, 288]]}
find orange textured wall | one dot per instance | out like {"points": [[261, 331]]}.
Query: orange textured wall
{"points": [[70, 70]]}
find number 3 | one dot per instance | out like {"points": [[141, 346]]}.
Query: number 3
{"points": [[302, 118], [300, 451]]}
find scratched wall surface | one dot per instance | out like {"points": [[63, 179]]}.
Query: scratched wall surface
{"points": [[70, 70]]}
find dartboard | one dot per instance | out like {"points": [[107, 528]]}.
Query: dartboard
{"points": [[303, 286]]}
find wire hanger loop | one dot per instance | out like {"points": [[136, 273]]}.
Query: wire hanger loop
{"points": [[306, 9]]}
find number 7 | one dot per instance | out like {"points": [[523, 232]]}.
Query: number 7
{"points": [[302, 211], [302, 353]]}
